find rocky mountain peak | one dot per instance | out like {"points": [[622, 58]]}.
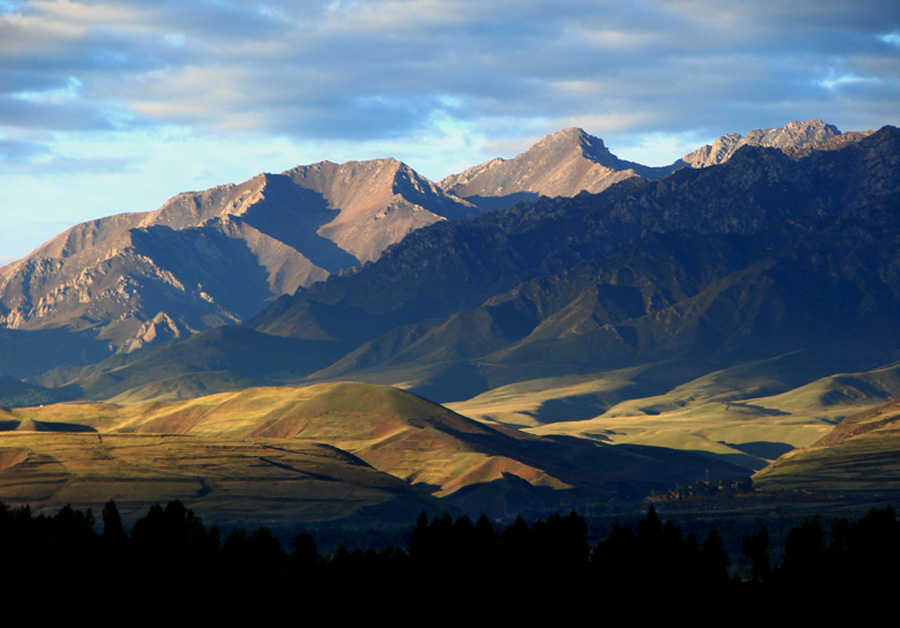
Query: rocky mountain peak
{"points": [[571, 137], [574, 142], [806, 132], [564, 163], [791, 139]]}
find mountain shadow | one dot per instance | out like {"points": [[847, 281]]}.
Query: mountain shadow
{"points": [[293, 215]]}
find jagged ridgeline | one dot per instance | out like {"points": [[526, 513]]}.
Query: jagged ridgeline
{"points": [[217, 257], [758, 257]]}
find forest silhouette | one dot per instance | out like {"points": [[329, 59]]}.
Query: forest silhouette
{"points": [[171, 548]]}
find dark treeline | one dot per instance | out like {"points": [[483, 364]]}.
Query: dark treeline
{"points": [[170, 551]]}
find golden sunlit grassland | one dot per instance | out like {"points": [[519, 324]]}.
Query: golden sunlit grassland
{"points": [[343, 452], [322, 453], [731, 414], [861, 454], [224, 480]]}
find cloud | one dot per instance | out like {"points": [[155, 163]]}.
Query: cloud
{"points": [[94, 165], [361, 69], [43, 113], [16, 150]]}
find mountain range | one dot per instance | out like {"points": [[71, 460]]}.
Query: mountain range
{"points": [[713, 262], [735, 305], [217, 257]]}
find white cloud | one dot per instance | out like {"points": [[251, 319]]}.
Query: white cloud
{"points": [[891, 38], [835, 80]]}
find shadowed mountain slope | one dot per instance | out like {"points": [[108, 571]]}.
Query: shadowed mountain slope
{"points": [[224, 358], [14, 393], [217, 257], [660, 328]]}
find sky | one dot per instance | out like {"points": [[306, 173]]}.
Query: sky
{"points": [[115, 106]]}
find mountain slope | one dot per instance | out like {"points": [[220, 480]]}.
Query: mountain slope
{"points": [[220, 359], [761, 256], [215, 257], [859, 457], [817, 284]]}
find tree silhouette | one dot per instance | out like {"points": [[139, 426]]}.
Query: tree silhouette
{"points": [[756, 548], [113, 530]]}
